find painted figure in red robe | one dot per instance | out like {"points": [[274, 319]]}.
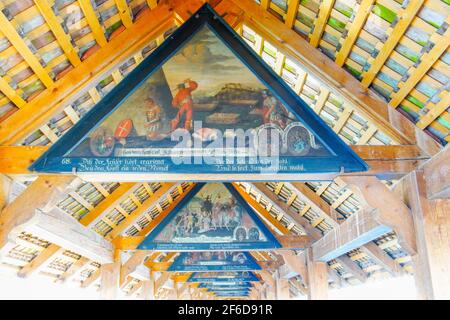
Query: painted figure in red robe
{"points": [[183, 101]]}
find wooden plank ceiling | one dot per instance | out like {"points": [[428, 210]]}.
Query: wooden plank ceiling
{"points": [[58, 58]]}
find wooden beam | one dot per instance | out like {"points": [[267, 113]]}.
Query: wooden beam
{"points": [[83, 77], [321, 21], [432, 230], [405, 18], [354, 30], [360, 228], [392, 211], [73, 270], [333, 76], [147, 204], [426, 62], [131, 264], [114, 199], [148, 289], [282, 289], [351, 267], [291, 14], [94, 24], [59, 228], [124, 12], [307, 226], [390, 160], [61, 36], [35, 264], [92, 279], [437, 175], [19, 44], [44, 190], [297, 263], [317, 278], [109, 281]]}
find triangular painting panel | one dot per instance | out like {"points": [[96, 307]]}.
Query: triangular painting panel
{"points": [[202, 261], [229, 277], [213, 216], [225, 286], [203, 106]]}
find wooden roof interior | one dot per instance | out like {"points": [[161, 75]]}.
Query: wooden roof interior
{"points": [[58, 58]]}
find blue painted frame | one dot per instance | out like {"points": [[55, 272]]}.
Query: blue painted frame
{"points": [[239, 277], [225, 286], [343, 159], [178, 265], [150, 244]]}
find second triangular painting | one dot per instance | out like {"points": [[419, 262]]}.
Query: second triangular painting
{"points": [[203, 106], [213, 216]]}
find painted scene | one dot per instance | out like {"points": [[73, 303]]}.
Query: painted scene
{"points": [[204, 82], [228, 277], [214, 261], [212, 216]]}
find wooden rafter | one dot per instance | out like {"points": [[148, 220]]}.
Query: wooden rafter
{"points": [[82, 78], [406, 17], [295, 47]]}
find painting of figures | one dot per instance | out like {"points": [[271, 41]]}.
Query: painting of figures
{"points": [[214, 261], [229, 277], [204, 81], [212, 219]]}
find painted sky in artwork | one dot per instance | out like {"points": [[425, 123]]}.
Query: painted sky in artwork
{"points": [[208, 61]]}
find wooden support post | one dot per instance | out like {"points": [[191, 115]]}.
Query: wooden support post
{"points": [[110, 278], [317, 278], [437, 175], [282, 289], [148, 288], [432, 231]]}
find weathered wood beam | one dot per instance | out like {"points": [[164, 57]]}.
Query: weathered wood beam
{"points": [[83, 77], [333, 76], [392, 211], [43, 191], [148, 289], [432, 230]]}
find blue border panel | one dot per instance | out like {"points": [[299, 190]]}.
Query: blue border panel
{"points": [[149, 242], [239, 277], [343, 157], [179, 266]]}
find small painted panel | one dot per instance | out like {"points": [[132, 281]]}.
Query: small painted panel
{"points": [[219, 287], [218, 278], [212, 217], [214, 261]]}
